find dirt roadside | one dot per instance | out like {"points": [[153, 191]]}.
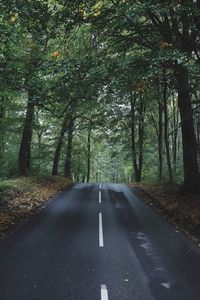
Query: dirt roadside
{"points": [[183, 211], [22, 197]]}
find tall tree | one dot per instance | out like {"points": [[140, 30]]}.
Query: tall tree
{"points": [[137, 133], [171, 32], [68, 157], [166, 126]]}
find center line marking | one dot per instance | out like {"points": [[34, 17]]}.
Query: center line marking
{"points": [[101, 243], [100, 186], [99, 197], [104, 292]]}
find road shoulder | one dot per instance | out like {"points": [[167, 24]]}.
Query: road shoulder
{"points": [[183, 211], [21, 198]]}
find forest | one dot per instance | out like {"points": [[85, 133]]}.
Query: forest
{"points": [[101, 91]]}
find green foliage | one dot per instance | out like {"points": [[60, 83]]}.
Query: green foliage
{"points": [[84, 60]]}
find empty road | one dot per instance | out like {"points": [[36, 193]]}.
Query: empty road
{"points": [[98, 242]]}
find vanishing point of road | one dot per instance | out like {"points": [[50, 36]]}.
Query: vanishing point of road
{"points": [[98, 242]]}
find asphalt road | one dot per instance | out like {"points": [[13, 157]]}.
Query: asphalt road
{"points": [[97, 242]]}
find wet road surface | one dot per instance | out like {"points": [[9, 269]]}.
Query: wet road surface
{"points": [[98, 242]]}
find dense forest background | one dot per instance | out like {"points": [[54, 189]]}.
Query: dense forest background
{"points": [[100, 90]]}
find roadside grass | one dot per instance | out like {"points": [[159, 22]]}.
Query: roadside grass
{"points": [[183, 211], [22, 197]]}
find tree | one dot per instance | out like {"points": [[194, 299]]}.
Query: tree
{"points": [[79, 77], [171, 33]]}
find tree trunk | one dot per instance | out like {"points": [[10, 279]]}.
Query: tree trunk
{"points": [[89, 153], [141, 136], [133, 102], [198, 138], [198, 135], [167, 145], [68, 159], [160, 139], [25, 146], [2, 129], [59, 145], [97, 177], [175, 134], [137, 154], [191, 175]]}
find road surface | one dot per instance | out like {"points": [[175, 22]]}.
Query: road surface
{"points": [[98, 242]]}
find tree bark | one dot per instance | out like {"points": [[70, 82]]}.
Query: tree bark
{"points": [[89, 152], [175, 134], [133, 102], [160, 139], [141, 136], [59, 145], [166, 135], [2, 129], [137, 154], [68, 159], [198, 138], [190, 163], [25, 146]]}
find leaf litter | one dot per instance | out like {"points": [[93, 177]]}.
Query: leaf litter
{"points": [[22, 197], [182, 210]]}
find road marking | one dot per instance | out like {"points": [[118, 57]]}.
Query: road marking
{"points": [[100, 186], [104, 292], [101, 243], [167, 285], [99, 197]]}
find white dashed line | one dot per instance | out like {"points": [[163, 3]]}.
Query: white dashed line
{"points": [[104, 292], [99, 197], [101, 243], [167, 285]]}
